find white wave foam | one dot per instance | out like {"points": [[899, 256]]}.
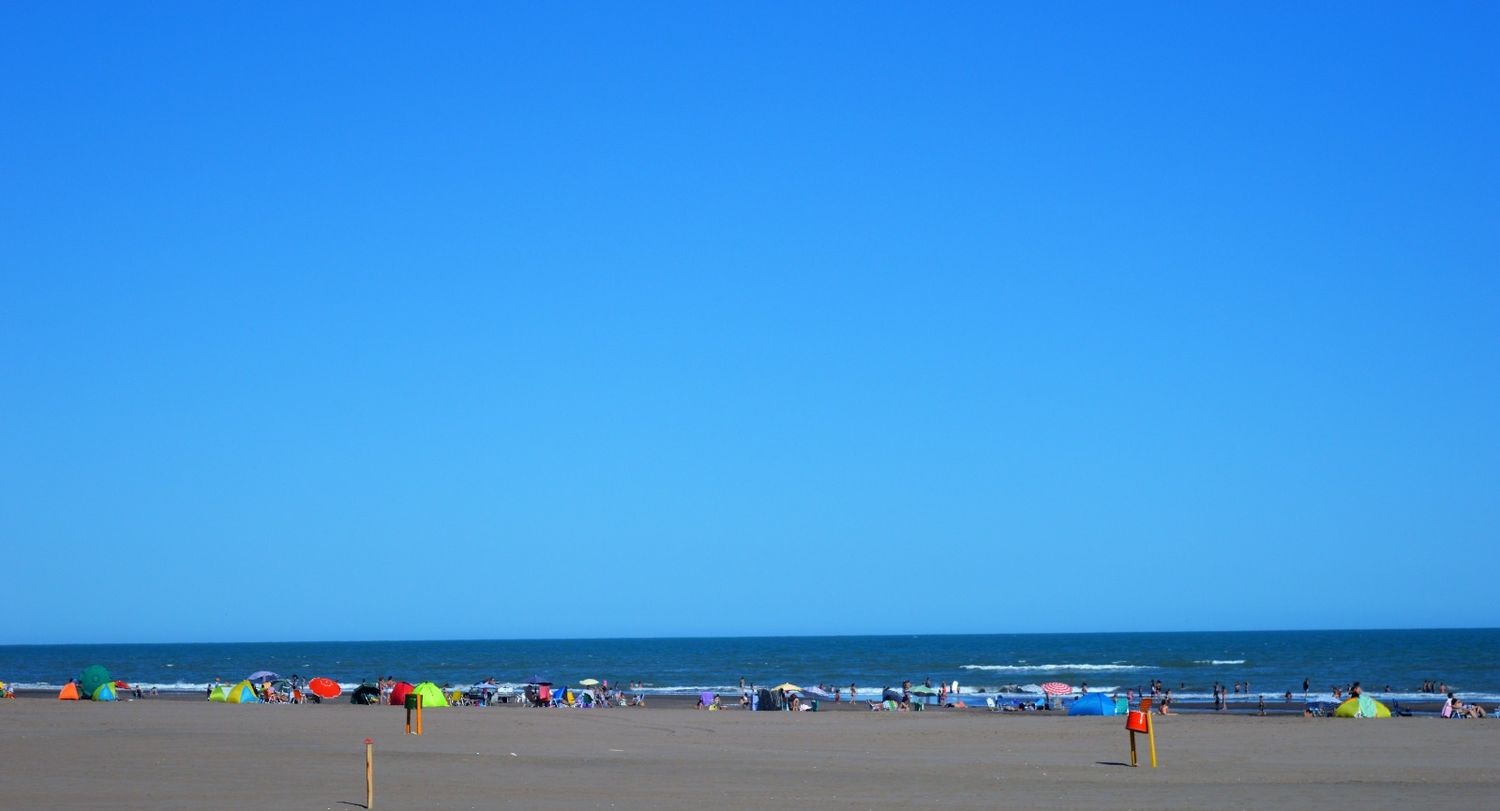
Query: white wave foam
{"points": [[1218, 661], [1062, 668]]}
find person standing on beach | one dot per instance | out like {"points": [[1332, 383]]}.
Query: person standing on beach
{"points": [[1304, 688], [853, 694]]}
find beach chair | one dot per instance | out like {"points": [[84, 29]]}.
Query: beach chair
{"points": [[989, 703]]}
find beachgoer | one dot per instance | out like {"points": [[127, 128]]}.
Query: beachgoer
{"points": [[1083, 688], [1304, 688], [1262, 705], [853, 694]]}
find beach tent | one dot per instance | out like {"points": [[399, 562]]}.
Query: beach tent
{"points": [[432, 695], [68, 693], [365, 694], [104, 692], [242, 693], [399, 693], [90, 679], [1093, 704], [1373, 709], [220, 693]]}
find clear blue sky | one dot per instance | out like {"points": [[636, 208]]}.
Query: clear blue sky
{"points": [[348, 322]]}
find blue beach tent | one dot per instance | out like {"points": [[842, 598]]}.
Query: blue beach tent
{"points": [[1093, 704]]}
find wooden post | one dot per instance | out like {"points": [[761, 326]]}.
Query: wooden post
{"points": [[1151, 739], [369, 773]]}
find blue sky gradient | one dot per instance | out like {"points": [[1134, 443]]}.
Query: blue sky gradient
{"points": [[766, 318]]}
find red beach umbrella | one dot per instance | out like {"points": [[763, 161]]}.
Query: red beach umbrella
{"points": [[324, 688], [1057, 688]]}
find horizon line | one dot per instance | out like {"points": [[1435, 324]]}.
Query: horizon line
{"points": [[751, 636]]}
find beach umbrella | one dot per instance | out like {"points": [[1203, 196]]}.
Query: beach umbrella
{"points": [[91, 677], [813, 691], [588, 682], [262, 675], [324, 688], [788, 687], [923, 691], [535, 679], [1056, 688], [1030, 688]]}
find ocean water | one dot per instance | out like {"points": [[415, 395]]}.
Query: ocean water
{"points": [[1273, 662]]}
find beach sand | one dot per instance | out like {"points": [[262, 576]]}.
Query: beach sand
{"points": [[159, 754]]}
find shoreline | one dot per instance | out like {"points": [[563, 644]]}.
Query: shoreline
{"points": [[689, 702]]}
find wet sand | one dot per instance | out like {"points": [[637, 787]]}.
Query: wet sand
{"points": [[149, 754]]}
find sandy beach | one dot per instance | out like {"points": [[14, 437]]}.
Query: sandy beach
{"points": [[158, 754]]}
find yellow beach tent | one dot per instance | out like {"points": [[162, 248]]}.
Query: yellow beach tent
{"points": [[220, 693], [242, 693], [432, 695], [1349, 708]]}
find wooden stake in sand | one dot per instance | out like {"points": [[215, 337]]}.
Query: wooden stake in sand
{"points": [[414, 712], [369, 772]]}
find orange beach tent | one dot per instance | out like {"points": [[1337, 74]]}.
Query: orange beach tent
{"points": [[68, 693]]}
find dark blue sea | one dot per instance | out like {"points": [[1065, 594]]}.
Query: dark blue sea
{"points": [[1393, 663]]}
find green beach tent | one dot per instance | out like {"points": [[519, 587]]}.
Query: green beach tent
{"points": [[104, 692], [242, 693], [90, 679], [432, 695], [220, 693], [1350, 707]]}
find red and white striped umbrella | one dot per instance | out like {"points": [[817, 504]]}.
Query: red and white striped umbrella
{"points": [[1057, 688]]}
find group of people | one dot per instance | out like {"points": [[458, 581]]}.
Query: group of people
{"points": [[1453, 707]]}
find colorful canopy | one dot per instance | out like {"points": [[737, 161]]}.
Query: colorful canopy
{"points": [[104, 692], [399, 693], [589, 682], [1372, 709], [68, 693], [432, 695], [220, 693], [1056, 688], [787, 687], [242, 693], [324, 688]]}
